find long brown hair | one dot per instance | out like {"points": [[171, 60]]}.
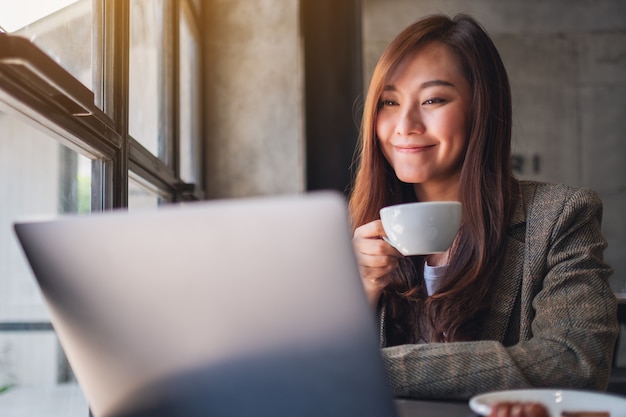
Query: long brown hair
{"points": [[486, 186]]}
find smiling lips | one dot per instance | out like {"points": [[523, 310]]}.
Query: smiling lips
{"points": [[412, 148]]}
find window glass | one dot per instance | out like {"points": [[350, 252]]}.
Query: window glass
{"points": [[141, 195], [61, 28], [38, 176], [145, 83], [189, 111]]}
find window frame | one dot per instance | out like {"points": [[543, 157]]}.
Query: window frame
{"points": [[34, 85], [94, 122]]}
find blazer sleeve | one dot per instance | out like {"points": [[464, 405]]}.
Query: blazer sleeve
{"points": [[574, 324]]}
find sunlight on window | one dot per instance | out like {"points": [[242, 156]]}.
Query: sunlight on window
{"points": [[146, 82], [61, 28], [189, 101], [39, 178], [15, 15]]}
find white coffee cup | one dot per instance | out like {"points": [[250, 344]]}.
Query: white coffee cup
{"points": [[421, 228]]}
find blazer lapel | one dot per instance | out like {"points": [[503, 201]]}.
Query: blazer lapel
{"points": [[506, 286]]}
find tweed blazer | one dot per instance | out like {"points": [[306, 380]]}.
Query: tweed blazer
{"points": [[553, 320]]}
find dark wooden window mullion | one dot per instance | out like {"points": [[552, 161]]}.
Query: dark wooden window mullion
{"points": [[115, 89], [170, 100]]}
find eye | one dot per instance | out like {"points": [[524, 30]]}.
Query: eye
{"points": [[387, 103], [435, 100]]}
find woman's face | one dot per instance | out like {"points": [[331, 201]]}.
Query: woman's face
{"points": [[422, 122]]}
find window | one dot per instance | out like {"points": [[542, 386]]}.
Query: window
{"points": [[190, 103], [147, 86], [99, 109]]}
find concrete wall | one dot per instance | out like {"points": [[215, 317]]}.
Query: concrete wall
{"points": [[567, 64], [254, 93], [566, 60]]}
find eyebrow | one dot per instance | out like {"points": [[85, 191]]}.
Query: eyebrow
{"points": [[437, 82], [426, 84]]}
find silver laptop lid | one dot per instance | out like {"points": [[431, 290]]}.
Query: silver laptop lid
{"points": [[225, 308]]}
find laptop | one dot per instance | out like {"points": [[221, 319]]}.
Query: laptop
{"points": [[241, 307]]}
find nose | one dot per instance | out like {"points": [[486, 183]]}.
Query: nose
{"points": [[410, 122]]}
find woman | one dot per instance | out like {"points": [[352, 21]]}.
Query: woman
{"points": [[521, 297]]}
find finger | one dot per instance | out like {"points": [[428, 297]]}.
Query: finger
{"points": [[375, 267], [374, 246], [371, 230], [377, 260]]}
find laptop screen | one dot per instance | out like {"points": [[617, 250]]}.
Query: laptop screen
{"points": [[232, 307]]}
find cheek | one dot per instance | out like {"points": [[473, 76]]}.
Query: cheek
{"points": [[463, 134], [384, 130], [383, 136], [380, 127], [454, 127], [380, 130]]}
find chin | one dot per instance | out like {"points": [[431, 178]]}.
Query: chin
{"points": [[410, 179]]}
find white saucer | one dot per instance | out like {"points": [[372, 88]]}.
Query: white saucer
{"points": [[556, 401]]}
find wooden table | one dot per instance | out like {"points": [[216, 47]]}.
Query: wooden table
{"points": [[68, 401], [423, 408]]}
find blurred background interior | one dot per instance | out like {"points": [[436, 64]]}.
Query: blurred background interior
{"points": [[116, 103]]}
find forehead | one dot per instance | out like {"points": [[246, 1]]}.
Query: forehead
{"points": [[430, 61]]}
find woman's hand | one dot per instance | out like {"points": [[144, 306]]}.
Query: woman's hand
{"points": [[518, 409], [375, 257]]}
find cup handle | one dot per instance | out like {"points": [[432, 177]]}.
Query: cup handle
{"points": [[386, 239]]}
